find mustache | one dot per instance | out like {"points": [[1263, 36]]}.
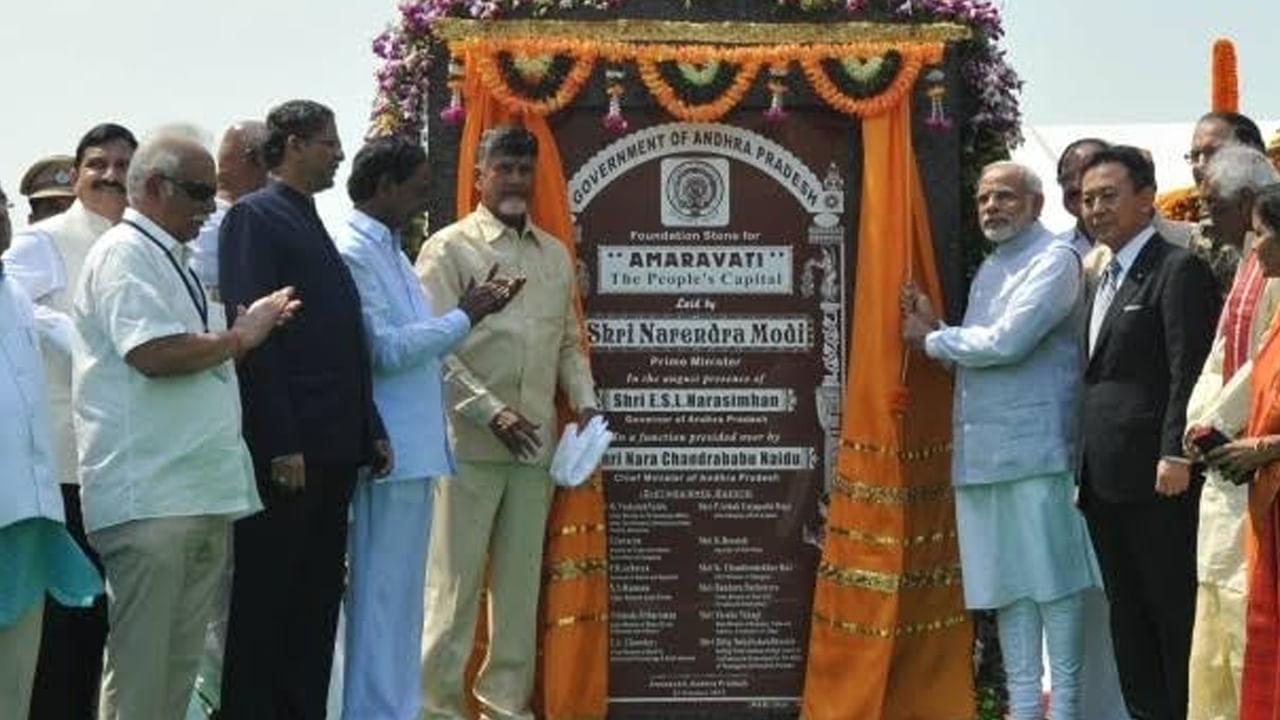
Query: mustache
{"points": [[100, 184]]}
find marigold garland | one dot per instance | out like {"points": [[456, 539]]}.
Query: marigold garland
{"points": [[484, 51], [534, 78], [495, 82], [914, 60], [1226, 81], [670, 101]]}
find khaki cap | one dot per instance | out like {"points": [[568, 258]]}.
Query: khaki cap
{"points": [[49, 177]]}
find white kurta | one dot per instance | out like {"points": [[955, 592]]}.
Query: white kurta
{"points": [[151, 447], [391, 518], [45, 260]]}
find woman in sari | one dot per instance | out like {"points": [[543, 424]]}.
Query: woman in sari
{"points": [[1258, 452]]}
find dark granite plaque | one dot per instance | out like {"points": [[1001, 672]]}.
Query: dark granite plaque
{"points": [[714, 263]]}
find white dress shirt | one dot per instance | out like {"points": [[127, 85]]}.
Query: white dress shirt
{"points": [[1124, 258], [1018, 360], [151, 447], [45, 261], [28, 487], [204, 249], [406, 343]]}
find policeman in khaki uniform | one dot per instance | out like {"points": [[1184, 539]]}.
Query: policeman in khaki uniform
{"points": [[47, 187], [501, 385]]}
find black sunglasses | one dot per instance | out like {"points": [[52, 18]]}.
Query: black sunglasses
{"points": [[198, 191]]}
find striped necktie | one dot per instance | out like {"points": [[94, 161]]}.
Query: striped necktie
{"points": [[1102, 300]]}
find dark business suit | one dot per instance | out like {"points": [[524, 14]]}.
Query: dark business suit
{"points": [[1148, 353], [305, 390]]}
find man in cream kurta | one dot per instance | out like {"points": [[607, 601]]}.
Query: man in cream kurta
{"points": [[501, 386], [1221, 400], [45, 261]]}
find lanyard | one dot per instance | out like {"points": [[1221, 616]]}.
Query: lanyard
{"points": [[197, 295]]}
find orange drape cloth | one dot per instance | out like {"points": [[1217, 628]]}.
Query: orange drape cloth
{"points": [[890, 638], [573, 659], [1260, 692]]}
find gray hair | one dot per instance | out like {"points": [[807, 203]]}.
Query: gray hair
{"points": [[1030, 180], [1238, 167], [158, 156], [181, 131]]}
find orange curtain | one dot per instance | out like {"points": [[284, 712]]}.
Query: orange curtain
{"points": [[573, 655], [890, 638]]}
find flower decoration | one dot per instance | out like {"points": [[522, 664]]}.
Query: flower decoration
{"points": [[557, 79], [777, 88], [614, 122], [454, 113], [994, 126], [697, 103], [1226, 78], [936, 91]]}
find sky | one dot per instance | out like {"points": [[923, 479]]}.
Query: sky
{"points": [[67, 64]]}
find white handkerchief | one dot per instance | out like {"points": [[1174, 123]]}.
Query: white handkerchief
{"points": [[579, 453]]}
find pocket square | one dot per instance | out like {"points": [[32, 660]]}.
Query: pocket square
{"points": [[1131, 308]]}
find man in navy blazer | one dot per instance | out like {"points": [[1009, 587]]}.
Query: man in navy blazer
{"points": [[1150, 326], [310, 423]]}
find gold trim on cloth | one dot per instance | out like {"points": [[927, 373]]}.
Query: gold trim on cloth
{"points": [[874, 539], [567, 620], [577, 529], [941, 576], [717, 33], [897, 631], [574, 569], [880, 495], [923, 453]]}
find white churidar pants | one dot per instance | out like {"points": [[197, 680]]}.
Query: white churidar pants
{"points": [[1020, 626]]}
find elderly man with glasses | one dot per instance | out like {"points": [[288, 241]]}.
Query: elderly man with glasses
{"points": [[163, 466]]}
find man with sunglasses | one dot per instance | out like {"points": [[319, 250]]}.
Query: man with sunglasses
{"points": [[163, 466], [240, 172], [45, 261], [309, 420]]}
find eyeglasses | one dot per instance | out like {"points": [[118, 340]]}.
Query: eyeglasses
{"points": [[198, 191], [1194, 157]]}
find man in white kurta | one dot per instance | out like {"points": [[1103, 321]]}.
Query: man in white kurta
{"points": [[1024, 548], [1220, 400], [241, 170], [163, 466], [45, 261], [37, 555], [391, 516]]}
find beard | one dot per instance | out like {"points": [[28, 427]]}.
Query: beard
{"points": [[512, 206], [1006, 231]]}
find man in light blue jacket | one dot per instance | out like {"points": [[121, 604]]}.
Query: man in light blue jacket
{"points": [[391, 517], [1024, 548]]}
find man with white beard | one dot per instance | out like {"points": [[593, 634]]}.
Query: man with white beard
{"points": [[1024, 548]]}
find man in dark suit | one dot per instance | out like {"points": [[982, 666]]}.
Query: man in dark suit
{"points": [[1150, 327], [309, 421]]}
